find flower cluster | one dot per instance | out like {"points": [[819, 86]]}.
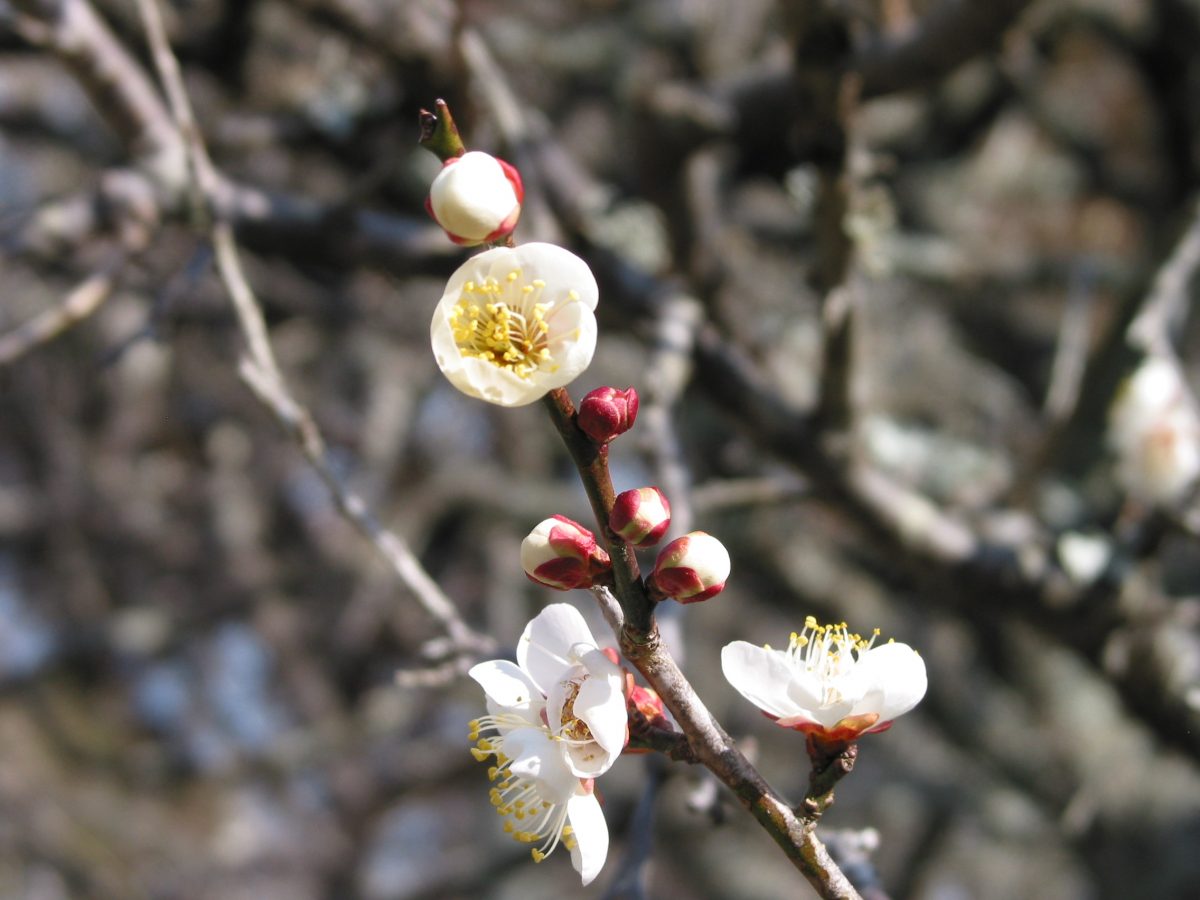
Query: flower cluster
{"points": [[829, 682], [556, 721], [1155, 431], [517, 322]]}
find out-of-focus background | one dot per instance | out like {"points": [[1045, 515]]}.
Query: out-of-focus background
{"points": [[198, 653]]}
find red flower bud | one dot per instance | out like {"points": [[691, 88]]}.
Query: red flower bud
{"points": [[691, 568], [562, 554], [606, 412], [641, 516]]}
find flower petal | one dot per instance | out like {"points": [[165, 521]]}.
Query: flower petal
{"points": [[898, 672], [536, 756], [561, 269], [761, 676], [509, 688], [545, 648], [601, 702], [589, 849]]}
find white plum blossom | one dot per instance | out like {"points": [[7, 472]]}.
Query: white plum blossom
{"points": [[1155, 431], [476, 198], [515, 323], [828, 682], [556, 719]]}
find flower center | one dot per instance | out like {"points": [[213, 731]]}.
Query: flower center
{"points": [[573, 728], [828, 652], [504, 323]]}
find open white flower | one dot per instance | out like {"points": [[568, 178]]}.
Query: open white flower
{"points": [[828, 681], [1155, 431], [515, 323], [558, 720]]}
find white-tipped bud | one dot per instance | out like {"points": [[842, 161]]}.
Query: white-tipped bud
{"points": [[1155, 431], [476, 198], [691, 568], [562, 554], [641, 516]]}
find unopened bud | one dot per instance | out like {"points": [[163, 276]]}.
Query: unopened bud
{"points": [[476, 198], [641, 516], [691, 568], [1155, 430], [646, 701], [607, 412], [562, 554]]}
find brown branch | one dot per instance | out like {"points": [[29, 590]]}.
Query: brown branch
{"points": [[130, 103], [641, 645], [826, 92], [116, 84], [592, 462], [957, 558]]}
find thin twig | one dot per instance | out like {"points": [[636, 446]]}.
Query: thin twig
{"points": [[259, 369], [667, 375], [1164, 308], [81, 303], [1071, 352]]}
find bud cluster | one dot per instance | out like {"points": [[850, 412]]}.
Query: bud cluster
{"points": [[562, 554]]}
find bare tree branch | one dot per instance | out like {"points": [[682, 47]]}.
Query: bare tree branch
{"points": [[261, 371]]}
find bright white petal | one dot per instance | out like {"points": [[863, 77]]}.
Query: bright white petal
{"points": [[561, 269], [534, 755], [509, 688], [805, 690], [899, 673], [544, 650], [805, 693], [590, 848], [601, 702], [573, 353], [474, 269], [480, 379], [587, 760], [445, 351], [761, 676]]}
